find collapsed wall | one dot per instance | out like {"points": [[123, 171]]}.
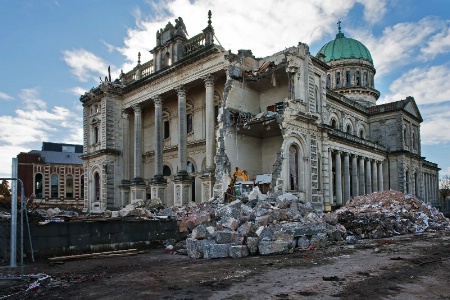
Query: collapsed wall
{"points": [[277, 224]]}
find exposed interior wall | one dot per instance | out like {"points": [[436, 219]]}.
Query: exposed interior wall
{"points": [[243, 98], [244, 152], [273, 95], [270, 147]]}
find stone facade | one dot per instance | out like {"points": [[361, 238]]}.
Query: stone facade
{"points": [[175, 127]]}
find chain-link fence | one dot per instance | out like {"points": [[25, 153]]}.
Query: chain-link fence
{"points": [[13, 219]]}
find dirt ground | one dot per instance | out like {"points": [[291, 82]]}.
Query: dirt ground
{"points": [[404, 267]]}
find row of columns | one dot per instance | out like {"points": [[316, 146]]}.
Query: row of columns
{"points": [[182, 180], [431, 187], [366, 176]]}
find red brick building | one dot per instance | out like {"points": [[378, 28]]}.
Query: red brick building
{"points": [[54, 175]]}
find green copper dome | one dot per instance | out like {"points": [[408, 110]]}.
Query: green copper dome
{"points": [[342, 47]]}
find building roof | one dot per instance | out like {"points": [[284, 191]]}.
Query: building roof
{"points": [[342, 47], [66, 158]]}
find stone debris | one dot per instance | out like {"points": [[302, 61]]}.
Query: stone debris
{"points": [[265, 224], [386, 214]]}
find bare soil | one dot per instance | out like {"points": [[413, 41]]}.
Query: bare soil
{"points": [[404, 267]]}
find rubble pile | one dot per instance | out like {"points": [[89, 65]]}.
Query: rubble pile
{"points": [[387, 214], [263, 225]]}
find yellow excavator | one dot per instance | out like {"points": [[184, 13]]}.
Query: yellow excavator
{"points": [[240, 182]]}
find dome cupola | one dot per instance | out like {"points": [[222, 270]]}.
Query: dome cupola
{"points": [[351, 70]]}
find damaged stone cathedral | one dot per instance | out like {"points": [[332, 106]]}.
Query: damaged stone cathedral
{"points": [[183, 126]]}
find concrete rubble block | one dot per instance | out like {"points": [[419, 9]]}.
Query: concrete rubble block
{"points": [[182, 227], [319, 240], [196, 248], [287, 196], [199, 232], [273, 247], [282, 236], [252, 245], [280, 215], [107, 213], [216, 251], [263, 220], [285, 203], [229, 222], [115, 214], [211, 230], [246, 210], [196, 219], [232, 210], [303, 242], [299, 229], [239, 251], [244, 229], [155, 203], [266, 233], [331, 218], [226, 237]]}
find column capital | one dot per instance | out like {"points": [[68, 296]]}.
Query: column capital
{"points": [[181, 90], [137, 108], [157, 100], [346, 154], [209, 80]]}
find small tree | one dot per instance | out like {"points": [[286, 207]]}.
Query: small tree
{"points": [[4, 189]]}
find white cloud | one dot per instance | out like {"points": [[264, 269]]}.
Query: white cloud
{"points": [[4, 96], [435, 130], [438, 44], [374, 10], [78, 91], [264, 28], [85, 65], [33, 124], [424, 84], [400, 44]]}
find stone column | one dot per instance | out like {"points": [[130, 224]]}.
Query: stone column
{"points": [[182, 180], [354, 176], [368, 177], [362, 184], [210, 127], [159, 183], [338, 178], [137, 189], [346, 177], [380, 176], [330, 175], [425, 183], [208, 176], [125, 182], [374, 176], [137, 145]]}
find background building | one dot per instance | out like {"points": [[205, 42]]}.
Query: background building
{"points": [[53, 175], [177, 126]]}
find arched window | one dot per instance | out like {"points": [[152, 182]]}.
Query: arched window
{"points": [[167, 59], [96, 135], [316, 94], [97, 186], [416, 185], [361, 133], [54, 186], [190, 167], [38, 185], [338, 79], [407, 191], [349, 129], [329, 81], [333, 123], [82, 187], [69, 186], [189, 116], [293, 168], [166, 170], [166, 120]]}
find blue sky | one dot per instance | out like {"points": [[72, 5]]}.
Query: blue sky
{"points": [[52, 51]]}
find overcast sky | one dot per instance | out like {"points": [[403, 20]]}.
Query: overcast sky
{"points": [[52, 51]]}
